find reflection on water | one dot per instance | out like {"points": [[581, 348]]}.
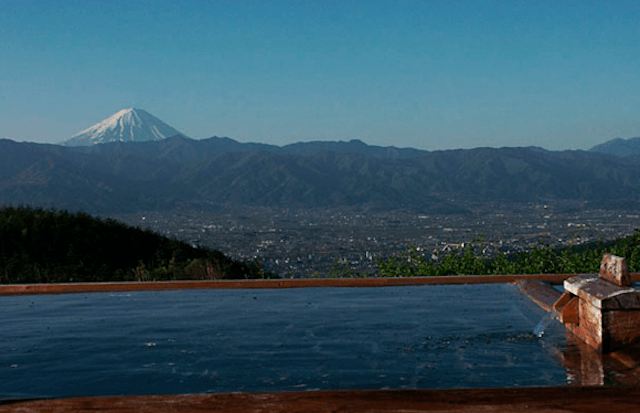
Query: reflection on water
{"points": [[286, 340], [587, 367]]}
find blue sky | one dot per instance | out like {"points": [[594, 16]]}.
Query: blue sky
{"points": [[425, 74]]}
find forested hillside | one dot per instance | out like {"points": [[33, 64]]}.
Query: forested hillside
{"points": [[44, 246], [472, 259]]}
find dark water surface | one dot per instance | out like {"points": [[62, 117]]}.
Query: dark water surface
{"points": [[199, 341]]}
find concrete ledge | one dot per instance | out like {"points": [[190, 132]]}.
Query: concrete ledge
{"points": [[534, 400]]}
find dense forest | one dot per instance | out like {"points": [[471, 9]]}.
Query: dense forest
{"points": [[46, 246]]}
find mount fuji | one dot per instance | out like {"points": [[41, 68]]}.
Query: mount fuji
{"points": [[127, 125]]}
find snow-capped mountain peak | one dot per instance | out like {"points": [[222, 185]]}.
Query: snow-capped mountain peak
{"points": [[127, 125]]}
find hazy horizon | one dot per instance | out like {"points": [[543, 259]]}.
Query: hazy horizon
{"points": [[432, 75]]}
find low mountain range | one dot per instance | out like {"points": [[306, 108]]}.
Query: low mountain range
{"points": [[619, 147], [216, 172], [127, 175]]}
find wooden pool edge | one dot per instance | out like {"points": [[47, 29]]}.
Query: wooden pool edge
{"points": [[71, 288], [533, 399]]}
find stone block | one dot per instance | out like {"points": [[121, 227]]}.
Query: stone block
{"points": [[620, 329], [562, 301], [614, 269], [608, 314], [568, 309], [570, 313], [603, 294]]}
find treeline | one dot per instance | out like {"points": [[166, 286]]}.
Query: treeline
{"points": [[472, 260], [46, 246]]}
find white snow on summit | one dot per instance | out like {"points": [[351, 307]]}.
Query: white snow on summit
{"points": [[127, 125]]}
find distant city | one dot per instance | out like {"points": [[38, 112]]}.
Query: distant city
{"points": [[313, 208], [309, 242]]}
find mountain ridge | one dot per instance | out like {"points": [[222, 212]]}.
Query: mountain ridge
{"points": [[220, 172], [619, 147]]}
